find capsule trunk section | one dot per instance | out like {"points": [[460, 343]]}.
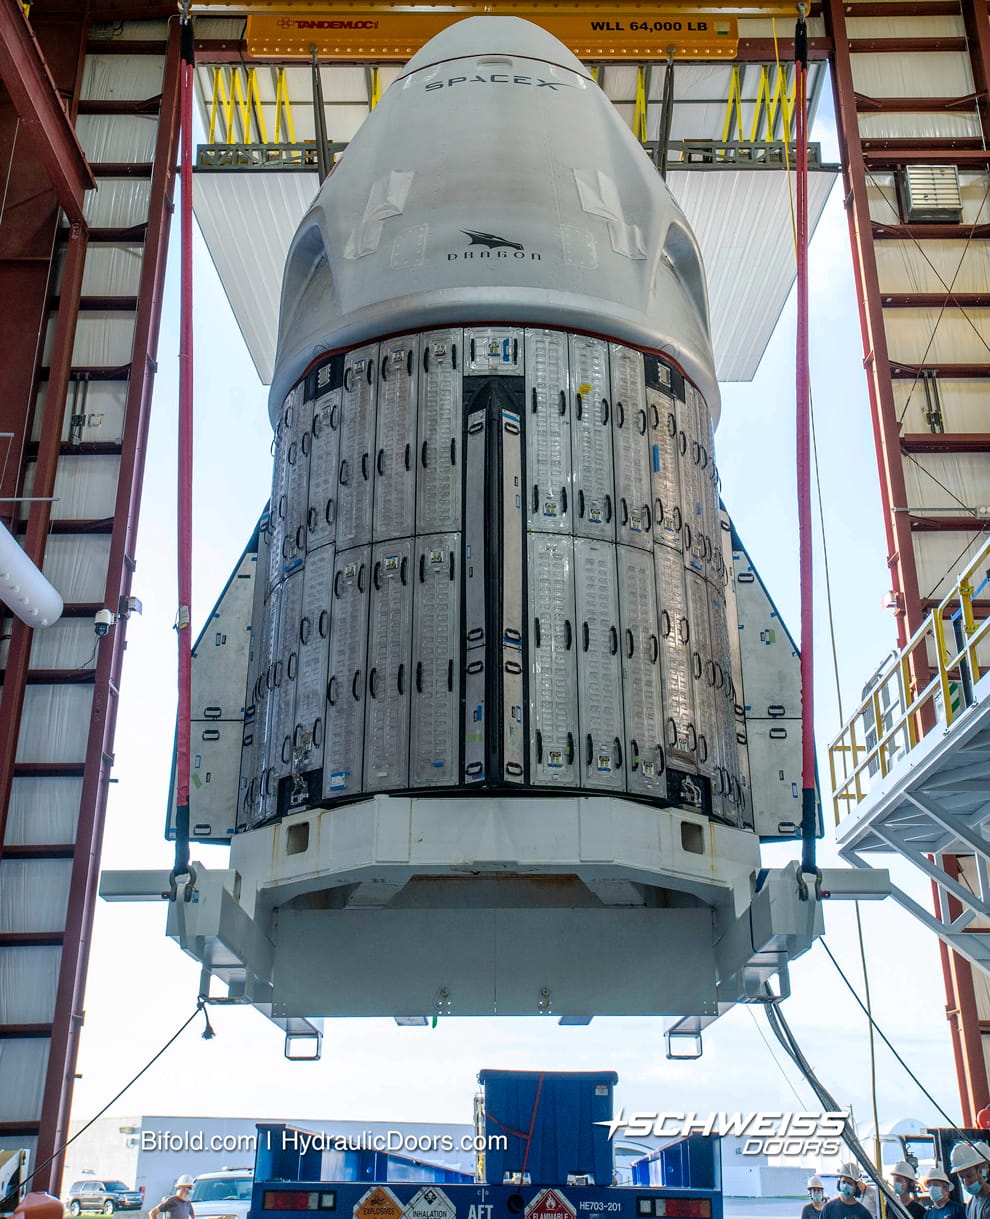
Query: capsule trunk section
{"points": [[495, 562]]}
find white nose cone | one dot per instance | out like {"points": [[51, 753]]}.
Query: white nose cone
{"points": [[494, 183]]}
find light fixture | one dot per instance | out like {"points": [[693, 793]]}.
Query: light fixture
{"points": [[23, 588]]}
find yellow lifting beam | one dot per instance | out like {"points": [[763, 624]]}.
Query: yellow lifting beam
{"points": [[466, 8], [592, 32]]}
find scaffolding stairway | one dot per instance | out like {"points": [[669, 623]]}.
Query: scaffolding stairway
{"points": [[910, 769]]}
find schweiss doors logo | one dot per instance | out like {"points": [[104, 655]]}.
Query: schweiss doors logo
{"points": [[773, 1134]]}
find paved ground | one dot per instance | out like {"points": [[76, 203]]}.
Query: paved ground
{"points": [[762, 1208]]}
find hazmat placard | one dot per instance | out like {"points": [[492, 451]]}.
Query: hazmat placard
{"points": [[430, 1203], [550, 1204], [378, 1203]]}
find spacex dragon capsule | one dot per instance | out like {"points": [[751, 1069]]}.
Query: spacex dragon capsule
{"points": [[504, 746]]}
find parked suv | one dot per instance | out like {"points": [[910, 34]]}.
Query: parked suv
{"points": [[223, 1195], [103, 1194]]}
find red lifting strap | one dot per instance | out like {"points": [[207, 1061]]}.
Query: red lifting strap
{"points": [[184, 515], [803, 407]]}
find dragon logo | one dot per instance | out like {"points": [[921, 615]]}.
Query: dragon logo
{"points": [[491, 240]]}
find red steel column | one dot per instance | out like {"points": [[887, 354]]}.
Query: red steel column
{"points": [[962, 1015], [961, 1007], [30, 209], [885, 426], [99, 750], [978, 37]]}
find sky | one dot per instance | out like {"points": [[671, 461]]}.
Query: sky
{"points": [[141, 987]]}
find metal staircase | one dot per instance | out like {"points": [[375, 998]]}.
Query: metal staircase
{"points": [[911, 768]]}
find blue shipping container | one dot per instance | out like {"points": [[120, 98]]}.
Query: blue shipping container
{"points": [[549, 1121]]}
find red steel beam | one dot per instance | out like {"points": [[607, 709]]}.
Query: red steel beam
{"points": [[57, 1094], [925, 8], [952, 372], [923, 148], [900, 46], [981, 608], [46, 124], [945, 442], [763, 50], [892, 156], [900, 546], [883, 105], [928, 232], [949, 524], [936, 300]]}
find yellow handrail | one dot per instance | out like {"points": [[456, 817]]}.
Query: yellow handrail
{"points": [[894, 717]]}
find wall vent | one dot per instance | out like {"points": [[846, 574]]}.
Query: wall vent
{"points": [[929, 194]]}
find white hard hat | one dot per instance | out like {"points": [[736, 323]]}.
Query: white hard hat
{"points": [[185, 1179], [965, 1155], [937, 1174], [815, 1182], [903, 1169], [849, 1170]]}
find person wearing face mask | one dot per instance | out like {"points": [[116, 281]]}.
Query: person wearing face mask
{"points": [[969, 1164], [943, 1206], [906, 1188], [845, 1205], [816, 1192]]}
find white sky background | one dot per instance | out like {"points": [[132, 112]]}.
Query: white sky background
{"points": [[141, 986]]}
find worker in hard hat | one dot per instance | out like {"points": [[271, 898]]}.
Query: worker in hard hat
{"points": [[905, 1184], [177, 1206], [816, 1194], [943, 1206], [969, 1163], [846, 1206]]}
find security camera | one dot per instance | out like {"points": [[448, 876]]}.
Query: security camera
{"points": [[103, 621]]}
